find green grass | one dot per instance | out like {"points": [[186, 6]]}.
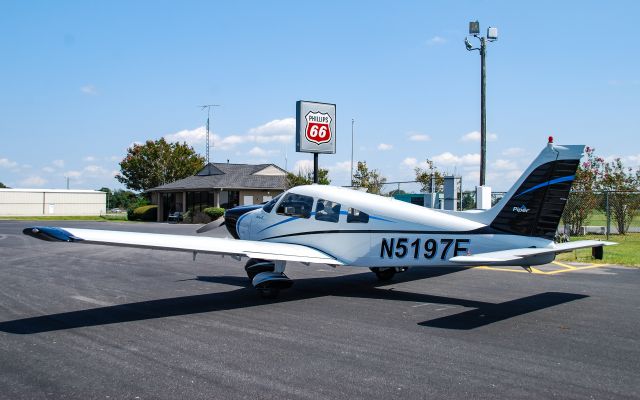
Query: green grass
{"points": [[626, 252], [114, 217], [599, 218]]}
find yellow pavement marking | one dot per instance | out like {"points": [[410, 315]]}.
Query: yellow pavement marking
{"points": [[568, 268], [563, 265], [577, 269]]}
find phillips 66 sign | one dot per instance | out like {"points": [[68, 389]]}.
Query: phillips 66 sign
{"points": [[315, 127]]}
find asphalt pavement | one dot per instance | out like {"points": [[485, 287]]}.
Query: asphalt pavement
{"points": [[89, 321]]}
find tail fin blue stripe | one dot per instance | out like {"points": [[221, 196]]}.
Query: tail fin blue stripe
{"points": [[548, 183]]}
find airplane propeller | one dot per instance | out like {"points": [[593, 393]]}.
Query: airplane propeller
{"points": [[211, 225]]}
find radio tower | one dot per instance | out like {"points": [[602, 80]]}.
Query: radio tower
{"points": [[208, 107]]}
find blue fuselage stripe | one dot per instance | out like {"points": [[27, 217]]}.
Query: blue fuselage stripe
{"points": [[548, 183]]}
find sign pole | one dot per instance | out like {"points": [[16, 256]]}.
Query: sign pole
{"points": [[315, 167]]}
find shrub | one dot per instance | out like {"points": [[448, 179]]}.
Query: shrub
{"points": [[200, 217], [144, 213], [187, 217], [214, 212]]}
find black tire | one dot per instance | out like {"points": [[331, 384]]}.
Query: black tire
{"points": [[269, 294], [252, 269], [384, 274]]}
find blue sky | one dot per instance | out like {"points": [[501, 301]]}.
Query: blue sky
{"points": [[82, 81]]}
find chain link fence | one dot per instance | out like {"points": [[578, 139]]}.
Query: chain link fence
{"points": [[603, 213]]}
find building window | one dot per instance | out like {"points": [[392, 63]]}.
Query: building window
{"points": [[198, 201], [229, 199]]}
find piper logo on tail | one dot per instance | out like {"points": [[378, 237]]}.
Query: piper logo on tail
{"points": [[318, 127], [521, 209]]}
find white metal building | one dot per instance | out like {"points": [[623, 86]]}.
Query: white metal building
{"points": [[38, 202]]}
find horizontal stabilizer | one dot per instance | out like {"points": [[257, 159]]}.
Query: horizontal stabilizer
{"points": [[197, 244], [520, 256]]}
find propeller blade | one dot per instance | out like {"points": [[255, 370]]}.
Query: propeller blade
{"points": [[210, 226]]}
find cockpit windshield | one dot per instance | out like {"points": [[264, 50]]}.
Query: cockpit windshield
{"points": [[269, 206]]}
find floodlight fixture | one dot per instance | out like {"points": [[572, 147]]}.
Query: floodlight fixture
{"points": [[468, 44], [474, 28], [492, 33]]}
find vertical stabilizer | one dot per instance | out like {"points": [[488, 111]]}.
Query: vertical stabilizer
{"points": [[535, 203]]}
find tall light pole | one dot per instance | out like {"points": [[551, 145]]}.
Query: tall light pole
{"points": [[492, 35], [208, 107]]}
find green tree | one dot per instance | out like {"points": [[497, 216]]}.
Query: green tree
{"points": [[429, 175], [623, 184], [583, 199], [156, 163], [2, 186], [369, 179], [305, 177]]}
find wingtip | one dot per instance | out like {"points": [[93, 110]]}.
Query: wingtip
{"points": [[51, 234]]}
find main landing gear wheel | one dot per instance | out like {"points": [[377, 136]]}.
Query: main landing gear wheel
{"points": [[254, 266], [384, 274]]}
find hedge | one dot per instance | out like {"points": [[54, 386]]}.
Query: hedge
{"points": [[214, 212], [144, 213]]}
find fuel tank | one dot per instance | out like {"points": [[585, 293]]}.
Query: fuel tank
{"points": [[232, 215]]}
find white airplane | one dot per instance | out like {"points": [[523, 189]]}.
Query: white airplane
{"points": [[343, 227]]}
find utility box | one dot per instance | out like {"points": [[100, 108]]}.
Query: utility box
{"points": [[450, 193], [483, 197]]}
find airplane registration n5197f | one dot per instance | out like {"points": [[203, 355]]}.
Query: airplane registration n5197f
{"points": [[339, 226]]}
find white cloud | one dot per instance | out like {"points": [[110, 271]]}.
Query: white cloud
{"points": [[341, 166], [113, 158], [410, 162], [436, 40], [419, 137], [277, 127], [58, 163], [89, 172], [449, 159], [191, 136], [258, 152], [89, 159], [277, 130], [504, 165], [385, 147], [89, 89], [513, 152], [302, 166], [48, 169], [6, 163], [475, 137], [33, 181]]}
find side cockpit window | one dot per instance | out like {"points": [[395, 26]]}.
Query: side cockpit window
{"points": [[269, 206], [328, 211], [355, 216], [295, 205]]}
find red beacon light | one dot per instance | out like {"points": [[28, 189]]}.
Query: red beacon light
{"points": [[551, 139]]}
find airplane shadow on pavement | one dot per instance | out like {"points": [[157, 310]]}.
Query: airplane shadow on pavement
{"points": [[355, 285]]}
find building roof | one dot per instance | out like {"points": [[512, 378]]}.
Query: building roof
{"points": [[50, 190], [230, 176]]}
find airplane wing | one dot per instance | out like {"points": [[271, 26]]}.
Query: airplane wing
{"points": [[519, 256], [192, 244]]}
